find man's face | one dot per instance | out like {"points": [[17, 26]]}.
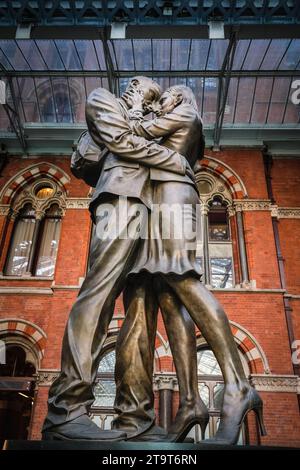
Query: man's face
{"points": [[167, 102], [136, 89]]}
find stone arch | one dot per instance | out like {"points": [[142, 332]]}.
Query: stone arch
{"points": [[17, 327], [230, 178], [250, 348], [18, 182]]}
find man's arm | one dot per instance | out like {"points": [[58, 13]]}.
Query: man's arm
{"points": [[158, 127], [107, 125]]}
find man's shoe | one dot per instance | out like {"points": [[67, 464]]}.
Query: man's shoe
{"points": [[153, 434], [82, 429]]}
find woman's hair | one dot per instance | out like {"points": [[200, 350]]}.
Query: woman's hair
{"points": [[187, 94]]}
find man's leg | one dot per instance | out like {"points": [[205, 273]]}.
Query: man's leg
{"points": [[135, 346], [71, 394]]}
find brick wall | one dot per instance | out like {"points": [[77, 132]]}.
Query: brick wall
{"points": [[260, 313]]}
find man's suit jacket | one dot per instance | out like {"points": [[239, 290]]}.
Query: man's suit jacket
{"points": [[126, 170]]}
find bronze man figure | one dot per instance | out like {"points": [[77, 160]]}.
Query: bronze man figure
{"points": [[71, 394]]}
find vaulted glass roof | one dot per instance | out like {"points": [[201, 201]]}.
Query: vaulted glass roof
{"points": [[250, 82]]}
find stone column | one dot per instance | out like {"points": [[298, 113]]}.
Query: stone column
{"points": [[242, 245], [165, 384]]}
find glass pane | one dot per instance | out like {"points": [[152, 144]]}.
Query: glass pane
{"points": [[100, 54], [124, 54], [180, 54], [4, 61], [62, 99], [91, 83], [29, 100], [14, 54], [255, 54], [217, 53], [240, 53], [204, 393], [20, 247], [218, 396], [221, 272], [48, 248], [210, 100], [87, 54], [161, 54], [199, 52], [142, 54], [4, 120], [275, 53], [32, 54], [107, 363], [196, 84], [44, 93], [18, 100], [244, 100], [68, 54], [50, 53], [44, 193], [279, 96], [105, 392], [261, 100], [78, 98], [218, 225], [231, 101], [291, 57], [292, 112], [207, 363]]}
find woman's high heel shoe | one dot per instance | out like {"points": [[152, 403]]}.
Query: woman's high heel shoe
{"points": [[233, 414], [182, 426]]}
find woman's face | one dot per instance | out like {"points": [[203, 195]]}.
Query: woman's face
{"points": [[167, 103]]}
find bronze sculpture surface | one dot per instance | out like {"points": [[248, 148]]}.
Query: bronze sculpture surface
{"points": [[122, 148]]}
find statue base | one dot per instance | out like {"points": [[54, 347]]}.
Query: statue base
{"points": [[127, 446]]}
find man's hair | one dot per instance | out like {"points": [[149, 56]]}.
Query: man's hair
{"points": [[187, 94], [153, 87]]}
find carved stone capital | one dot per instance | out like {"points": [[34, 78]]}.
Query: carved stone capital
{"points": [[231, 211], [78, 203], [165, 382], [46, 377], [275, 383], [274, 211], [4, 209]]}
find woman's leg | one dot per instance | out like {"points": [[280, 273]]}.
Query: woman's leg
{"points": [[181, 334]]}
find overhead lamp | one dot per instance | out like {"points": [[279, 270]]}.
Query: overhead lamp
{"points": [[167, 9], [23, 31], [216, 30], [118, 31]]}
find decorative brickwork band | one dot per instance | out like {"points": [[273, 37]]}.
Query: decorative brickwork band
{"points": [[225, 173], [27, 175], [22, 327]]}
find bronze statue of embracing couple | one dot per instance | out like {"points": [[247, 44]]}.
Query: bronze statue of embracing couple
{"points": [[141, 169]]}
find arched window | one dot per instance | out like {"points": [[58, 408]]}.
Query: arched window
{"points": [[105, 391], [214, 249], [35, 236], [219, 244], [21, 242], [211, 389], [48, 244], [16, 393]]}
